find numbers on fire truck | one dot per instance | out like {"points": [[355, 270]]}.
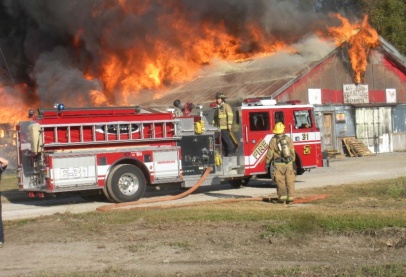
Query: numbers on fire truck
{"points": [[305, 136], [73, 173]]}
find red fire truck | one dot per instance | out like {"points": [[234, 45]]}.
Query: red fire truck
{"points": [[118, 151]]}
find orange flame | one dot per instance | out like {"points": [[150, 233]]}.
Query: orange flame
{"points": [[13, 108], [178, 59], [159, 61], [361, 38]]}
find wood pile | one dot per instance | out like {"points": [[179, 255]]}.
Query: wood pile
{"points": [[334, 154], [356, 148]]}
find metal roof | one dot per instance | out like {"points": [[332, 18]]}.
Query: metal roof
{"points": [[247, 82], [262, 77]]}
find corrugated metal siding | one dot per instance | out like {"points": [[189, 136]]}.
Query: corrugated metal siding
{"points": [[399, 127], [374, 128], [399, 119], [341, 129], [399, 141]]}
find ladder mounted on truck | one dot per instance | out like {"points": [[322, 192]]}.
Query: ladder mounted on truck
{"points": [[79, 127]]}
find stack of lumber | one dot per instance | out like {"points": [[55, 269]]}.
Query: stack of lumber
{"points": [[356, 148], [334, 154]]}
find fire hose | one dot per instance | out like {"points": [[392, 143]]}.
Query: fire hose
{"points": [[130, 205], [169, 198]]}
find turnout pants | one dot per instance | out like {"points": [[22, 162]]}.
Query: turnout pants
{"points": [[284, 177], [227, 143]]}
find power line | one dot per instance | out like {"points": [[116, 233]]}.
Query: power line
{"points": [[8, 69]]}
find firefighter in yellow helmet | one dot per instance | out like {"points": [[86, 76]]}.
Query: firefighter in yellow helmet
{"points": [[223, 119], [282, 153]]}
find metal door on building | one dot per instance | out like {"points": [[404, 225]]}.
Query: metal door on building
{"points": [[374, 128], [328, 134]]}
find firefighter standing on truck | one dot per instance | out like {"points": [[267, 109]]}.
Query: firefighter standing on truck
{"points": [[282, 153], [223, 119]]}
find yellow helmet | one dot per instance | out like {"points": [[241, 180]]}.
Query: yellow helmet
{"points": [[279, 128]]}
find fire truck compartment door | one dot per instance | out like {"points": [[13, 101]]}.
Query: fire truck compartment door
{"points": [[166, 164], [74, 170]]}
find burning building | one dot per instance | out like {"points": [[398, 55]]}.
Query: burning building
{"points": [[358, 86], [122, 52]]}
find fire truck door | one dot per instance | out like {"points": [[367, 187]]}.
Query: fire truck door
{"points": [[257, 132]]}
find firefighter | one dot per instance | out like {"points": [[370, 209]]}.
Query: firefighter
{"points": [[282, 153], [223, 119], [3, 165]]}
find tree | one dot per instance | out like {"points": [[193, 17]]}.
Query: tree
{"points": [[388, 17]]}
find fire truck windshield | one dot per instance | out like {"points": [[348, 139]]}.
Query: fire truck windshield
{"points": [[302, 119]]}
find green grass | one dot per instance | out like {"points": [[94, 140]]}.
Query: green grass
{"points": [[361, 208], [9, 182], [312, 221], [389, 194], [394, 188]]}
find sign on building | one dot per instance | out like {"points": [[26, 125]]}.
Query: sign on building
{"points": [[314, 95], [390, 95], [355, 94]]}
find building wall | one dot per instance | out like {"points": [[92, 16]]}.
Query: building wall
{"points": [[332, 74], [341, 128], [374, 128], [399, 128]]}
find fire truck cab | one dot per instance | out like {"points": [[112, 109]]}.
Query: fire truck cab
{"points": [[119, 151]]}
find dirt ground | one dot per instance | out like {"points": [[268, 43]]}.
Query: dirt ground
{"points": [[52, 246]]}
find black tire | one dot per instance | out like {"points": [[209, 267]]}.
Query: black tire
{"points": [[126, 183], [106, 194], [240, 182]]}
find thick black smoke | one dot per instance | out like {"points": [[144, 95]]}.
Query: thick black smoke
{"points": [[37, 37]]}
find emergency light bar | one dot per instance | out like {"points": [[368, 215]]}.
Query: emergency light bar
{"points": [[259, 102], [59, 107], [291, 102]]}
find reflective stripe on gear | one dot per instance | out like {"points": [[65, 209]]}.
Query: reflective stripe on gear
{"points": [[223, 116]]}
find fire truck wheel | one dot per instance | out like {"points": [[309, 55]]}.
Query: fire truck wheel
{"points": [[240, 182], [126, 183]]}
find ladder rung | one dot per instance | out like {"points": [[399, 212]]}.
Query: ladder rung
{"points": [[65, 134]]}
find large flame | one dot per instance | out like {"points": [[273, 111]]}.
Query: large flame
{"points": [[120, 48], [361, 38], [170, 62], [13, 108]]}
